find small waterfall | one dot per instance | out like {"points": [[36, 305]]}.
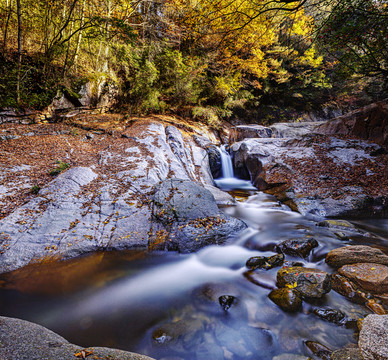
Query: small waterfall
{"points": [[226, 163], [228, 181]]}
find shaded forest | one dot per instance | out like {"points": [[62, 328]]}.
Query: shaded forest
{"points": [[209, 60]]}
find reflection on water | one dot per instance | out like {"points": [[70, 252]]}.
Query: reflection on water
{"points": [[168, 305]]}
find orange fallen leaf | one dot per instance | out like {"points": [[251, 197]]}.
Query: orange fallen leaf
{"points": [[83, 354]]}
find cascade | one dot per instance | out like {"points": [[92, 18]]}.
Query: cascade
{"points": [[228, 181], [226, 163]]}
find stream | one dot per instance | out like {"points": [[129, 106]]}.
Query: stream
{"points": [[167, 305]]}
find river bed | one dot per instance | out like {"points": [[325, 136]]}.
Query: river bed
{"points": [[167, 305]]}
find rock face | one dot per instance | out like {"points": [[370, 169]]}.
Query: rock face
{"points": [[241, 132], [308, 171], [373, 340], [355, 254], [369, 276], [105, 200], [214, 161], [24, 340], [369, 122], [310, 283]]}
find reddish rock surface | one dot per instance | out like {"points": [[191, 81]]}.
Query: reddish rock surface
{"points": [[369, 276]]}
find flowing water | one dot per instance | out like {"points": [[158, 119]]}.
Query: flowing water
{"points": [[166, 305]]}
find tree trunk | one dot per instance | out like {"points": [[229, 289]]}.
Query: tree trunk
{"points": [[9, 9], [19, 15], [79, 34]]}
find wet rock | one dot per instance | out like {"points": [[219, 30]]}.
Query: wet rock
{"points": [[297, 247], [226, 301], [214, 161], [341, 236], [310, 283], [373, 339], [337, 224], [287, 299], [375, 307], [266, 263], [369, 276], [24, 340], [355, 254], [319, 350], [351, 353], [334, 316], [189, 217], [345, 287]]}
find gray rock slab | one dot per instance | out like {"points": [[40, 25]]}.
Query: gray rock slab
{"points": [[23, 340]]}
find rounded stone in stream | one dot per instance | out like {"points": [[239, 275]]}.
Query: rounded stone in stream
{"points": [[310, 283], [297, 247], [226, 301], [266, 263], [355, 254], [287, 299]]}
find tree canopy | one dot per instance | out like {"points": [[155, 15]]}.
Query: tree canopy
{"points": [[206, 58]]}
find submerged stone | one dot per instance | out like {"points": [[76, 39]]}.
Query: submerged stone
{"points": [[310, 283], [334, 316], [226, 301], [287, 299]]}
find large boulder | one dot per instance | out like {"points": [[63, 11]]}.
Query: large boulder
{"points": [[355, 254], [373, 340], [187, 217], [23, 340]]}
